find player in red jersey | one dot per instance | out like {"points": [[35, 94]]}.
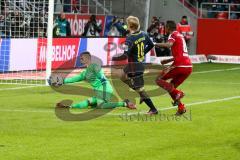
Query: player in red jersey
{"points": [[180, 69]]}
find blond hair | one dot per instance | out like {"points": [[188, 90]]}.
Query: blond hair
{"points": [[133, 23]]}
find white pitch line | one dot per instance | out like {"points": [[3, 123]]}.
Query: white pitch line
{"points": [[16, 88], [129, 113], [217, 70], [205, 102], [214, 83], [27, 111], [209, 71], [214, 100], [188, 105]]}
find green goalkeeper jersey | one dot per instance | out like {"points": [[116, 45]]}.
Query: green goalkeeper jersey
{"points": [[93, 74]]}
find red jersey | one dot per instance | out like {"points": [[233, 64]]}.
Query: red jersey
{"points": [[179, 50]]}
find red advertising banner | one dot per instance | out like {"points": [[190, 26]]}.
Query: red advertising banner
{"points": [[219, 37], [77, 23], [64, 54]]}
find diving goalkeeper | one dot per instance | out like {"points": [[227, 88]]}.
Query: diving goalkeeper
{"points": [[94, 75]]}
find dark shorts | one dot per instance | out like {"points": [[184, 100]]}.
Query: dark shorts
{"points": [[133, 68], [135, 74]]}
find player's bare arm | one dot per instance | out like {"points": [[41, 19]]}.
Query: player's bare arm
{"points": [[166, 61]]}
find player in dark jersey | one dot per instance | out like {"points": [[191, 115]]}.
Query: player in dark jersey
{"points": [[138, 44]]}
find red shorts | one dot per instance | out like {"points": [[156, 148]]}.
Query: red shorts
{"points": [[177, 75]]}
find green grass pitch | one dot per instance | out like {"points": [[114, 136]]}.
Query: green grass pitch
{"points": [[30, 130]]}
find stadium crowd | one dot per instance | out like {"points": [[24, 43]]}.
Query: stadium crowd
{"points": [[23, 18], [220, 11]]}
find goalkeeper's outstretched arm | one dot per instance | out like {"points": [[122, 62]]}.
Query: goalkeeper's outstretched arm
{"points": [[76, 78]]}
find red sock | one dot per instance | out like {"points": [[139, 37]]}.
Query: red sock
{"points": [[174, 93]]}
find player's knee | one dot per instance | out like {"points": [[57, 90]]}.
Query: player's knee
{"points": [[143, 94], [139, 89], [160, 82], [135, 88], [175, 84]]}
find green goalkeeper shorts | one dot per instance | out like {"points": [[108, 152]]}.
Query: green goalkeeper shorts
{"points": [[103, 93]]}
